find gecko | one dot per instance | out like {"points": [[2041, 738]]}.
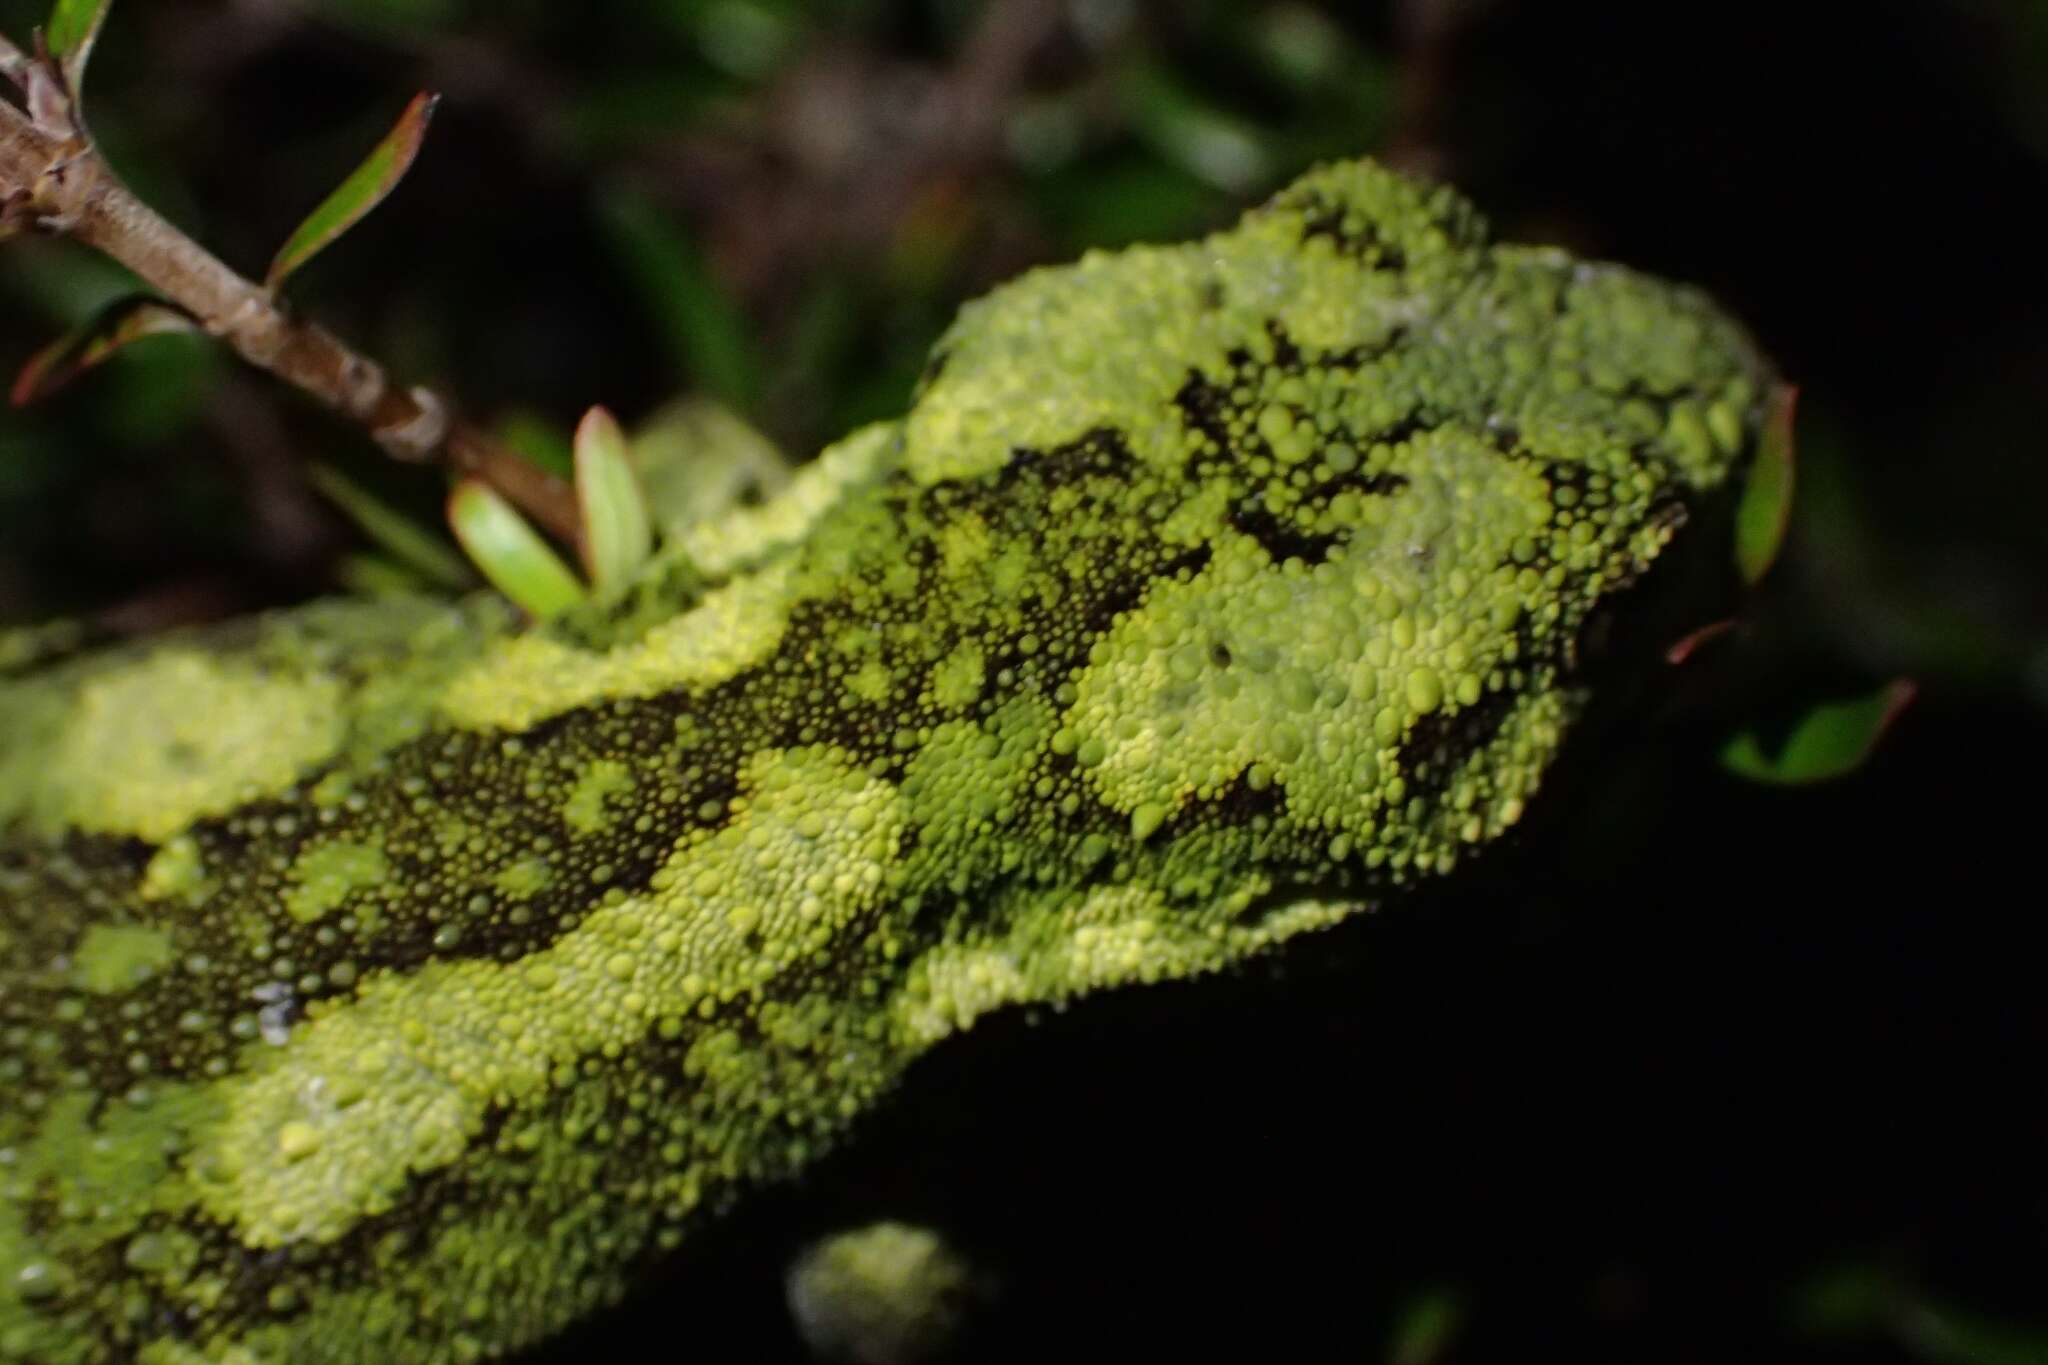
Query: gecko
{"points": [[400, 980]]}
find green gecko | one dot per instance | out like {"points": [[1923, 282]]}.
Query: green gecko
{"points": [[393, 981]]}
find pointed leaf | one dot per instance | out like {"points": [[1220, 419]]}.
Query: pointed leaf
{"points": [[73, 28], [510, 552], [364, 189], [1766, 507], [618, 535], [423, 552], [1831, 740], [120, 322]]}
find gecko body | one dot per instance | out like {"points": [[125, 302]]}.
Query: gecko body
{"points": [[395, 982]]}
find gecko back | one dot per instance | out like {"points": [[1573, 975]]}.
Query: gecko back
{"points": [[393, 982]]}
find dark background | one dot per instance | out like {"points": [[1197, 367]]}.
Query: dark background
{"points": [[1699, 1070]]}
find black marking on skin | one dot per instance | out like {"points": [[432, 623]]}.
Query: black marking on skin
{"points": [[1286, 355], [1534, 650], [1202, 404], [1407, 429], [1205, 407], [1440, 743], [46, 907], [1240, 803], [1282, 537], [1667, 508], [1353, 358], [1359, 240], [1103, 613], [1097, 451]]}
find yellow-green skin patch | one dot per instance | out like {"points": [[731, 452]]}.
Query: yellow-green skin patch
{"points": [[148, 748], [604, 781], [387, 982], [113, 957], [327, 875]]}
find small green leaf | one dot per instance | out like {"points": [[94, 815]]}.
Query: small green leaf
{"points": [[73, 28], [114, 326], [429, 558], [510, 552], [1831, 740], [617, 533], [364, 189], [1766, 507]]}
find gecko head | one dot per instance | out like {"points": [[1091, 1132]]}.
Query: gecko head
{"points": [[1420, 469]]}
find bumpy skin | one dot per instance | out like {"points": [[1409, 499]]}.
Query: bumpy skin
{"points": [[389, 983]]}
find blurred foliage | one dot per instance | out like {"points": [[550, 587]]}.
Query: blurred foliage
{"points": [[768, 209], [508, 551], [1830, 740], [775, 204]]}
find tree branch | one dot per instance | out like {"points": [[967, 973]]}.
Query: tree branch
{"points": [[62, 184]]}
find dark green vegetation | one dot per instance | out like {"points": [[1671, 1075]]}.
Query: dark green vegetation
{"points": [[1749, 1069]]}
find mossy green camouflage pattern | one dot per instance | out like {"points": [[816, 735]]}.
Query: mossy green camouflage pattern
{"points": [[389, 982]]}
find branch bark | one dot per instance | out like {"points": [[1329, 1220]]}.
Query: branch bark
{"points": [[64, 185]]}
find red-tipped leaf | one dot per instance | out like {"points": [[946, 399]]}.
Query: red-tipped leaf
{"points": [[1766, 507], [1831, 740], [113, 327], [365, 188], [1686, 646]]}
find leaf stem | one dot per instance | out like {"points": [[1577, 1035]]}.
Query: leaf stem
{"points": [[69, 188]]}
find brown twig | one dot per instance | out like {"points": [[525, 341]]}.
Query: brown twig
{"points": [[52, 174]]}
